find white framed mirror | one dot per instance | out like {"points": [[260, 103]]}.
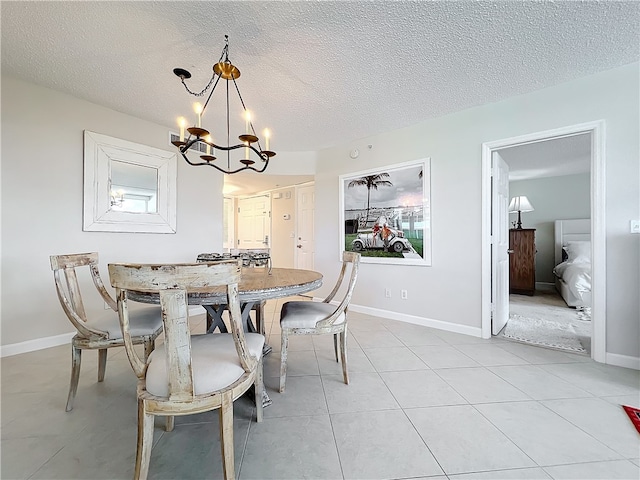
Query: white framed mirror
{"points": [[128, 187]]}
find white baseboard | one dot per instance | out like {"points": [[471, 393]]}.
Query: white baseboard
{"points": [[425, 322], [625, 361], [56, 340], [35, 344]]}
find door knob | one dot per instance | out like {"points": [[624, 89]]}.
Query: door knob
{"points": [[509, 251]]}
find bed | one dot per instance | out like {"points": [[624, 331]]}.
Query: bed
{"points": [[572, 269]]}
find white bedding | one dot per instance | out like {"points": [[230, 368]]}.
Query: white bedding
{"points": [[577, 277], [573, 261]]}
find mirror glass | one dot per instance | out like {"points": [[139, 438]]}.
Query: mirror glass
{"points": [[134, 188]]}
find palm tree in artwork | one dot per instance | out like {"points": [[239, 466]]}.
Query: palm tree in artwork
{"points": [[371, 182]]}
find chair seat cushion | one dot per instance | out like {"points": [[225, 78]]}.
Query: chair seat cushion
{"points": [[143, 321], [214, 362], [301, 314]]}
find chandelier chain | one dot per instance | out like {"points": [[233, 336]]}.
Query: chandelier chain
{"points": [[213, 77], [204, 90]]}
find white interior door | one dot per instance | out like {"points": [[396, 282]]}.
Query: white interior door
{"points": [[305, 238], [254, 222], [499, 244]]}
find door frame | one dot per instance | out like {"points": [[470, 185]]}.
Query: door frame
{"points": [[598, 232]]}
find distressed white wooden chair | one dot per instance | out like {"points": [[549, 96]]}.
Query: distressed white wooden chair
{"points": [[101, 331], [320, 318], [189, 374]]}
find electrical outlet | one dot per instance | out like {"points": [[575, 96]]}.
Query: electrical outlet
{"points": [[403, 294], [387, 292], [634, 226]]}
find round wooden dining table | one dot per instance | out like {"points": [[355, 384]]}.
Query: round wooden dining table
{"points": [[256, 285]]}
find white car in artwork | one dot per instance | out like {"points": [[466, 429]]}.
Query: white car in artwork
{"points": [[381, 236]]}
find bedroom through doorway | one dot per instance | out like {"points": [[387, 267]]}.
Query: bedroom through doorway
{"points": [[553, 176], [550, 294]]}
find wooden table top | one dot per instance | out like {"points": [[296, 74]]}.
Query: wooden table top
{"points": [[256, 284]]}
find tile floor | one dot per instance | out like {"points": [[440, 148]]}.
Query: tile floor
{"points": [[422, 403]]}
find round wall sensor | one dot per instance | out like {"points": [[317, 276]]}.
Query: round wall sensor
{"points": [[354, 153]]}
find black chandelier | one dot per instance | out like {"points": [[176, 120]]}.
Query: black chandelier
{"points": [[197, 135]]}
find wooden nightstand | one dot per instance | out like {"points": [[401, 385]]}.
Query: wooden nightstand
{"points": [[522, 261]]}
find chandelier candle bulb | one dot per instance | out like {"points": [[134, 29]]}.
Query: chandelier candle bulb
{"points": [[247, 116], [209, 141], [266, 134], [182, 122], [197, 107]]}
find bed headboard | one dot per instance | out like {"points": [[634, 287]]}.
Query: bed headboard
{"points": [[568, 230]]}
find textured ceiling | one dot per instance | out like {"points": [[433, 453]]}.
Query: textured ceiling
{"points": [[550, 158], [318, 74]]}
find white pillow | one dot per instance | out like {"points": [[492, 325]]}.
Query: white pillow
{"points": [[578, 251]]}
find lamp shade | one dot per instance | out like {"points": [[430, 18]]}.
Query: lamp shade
{"points": [[520, 204]]}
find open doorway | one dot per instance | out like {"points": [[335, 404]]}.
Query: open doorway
{"points": [[495, 291], [549, 196]]}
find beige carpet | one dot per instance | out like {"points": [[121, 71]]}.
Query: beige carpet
{"points": [[545, 320]]}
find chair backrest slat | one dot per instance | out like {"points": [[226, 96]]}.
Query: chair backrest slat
{"points": [[352, 258], [97, 281], [233, 304], [177, 338], [68, 288], [347, 257], [73, 288]]}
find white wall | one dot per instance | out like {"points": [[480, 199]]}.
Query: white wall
{"points": [[450, 290], [283, 242], [42, 164], [553, 198], [293, 163]]}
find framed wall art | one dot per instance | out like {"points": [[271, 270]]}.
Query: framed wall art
{"points": [[385, 213]]}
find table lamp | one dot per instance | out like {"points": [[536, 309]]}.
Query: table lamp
{"points": [[520, 204]]}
